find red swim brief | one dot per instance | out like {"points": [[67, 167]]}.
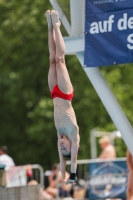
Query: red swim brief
{"points": [[56, 92]]}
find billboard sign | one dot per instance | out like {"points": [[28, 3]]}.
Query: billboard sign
{"points": [[108, 180], [108, 32]]}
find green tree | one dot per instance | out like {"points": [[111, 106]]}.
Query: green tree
{"points": [[27, 124]]}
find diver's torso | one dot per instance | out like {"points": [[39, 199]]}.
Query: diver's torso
{"points": [[64, 117]]}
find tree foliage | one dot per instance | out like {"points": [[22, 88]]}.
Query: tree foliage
{"points": [[27, 125]]}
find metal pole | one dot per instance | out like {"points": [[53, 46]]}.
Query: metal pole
{"points": [[93, 144], [110, 102], [36, 166]]}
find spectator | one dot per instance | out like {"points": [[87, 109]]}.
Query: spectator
{"points": [[50, 175], [5, 159], [42, 193], [108, 150], [53, 176], [29, 172], [130, 176], [56, 185]]}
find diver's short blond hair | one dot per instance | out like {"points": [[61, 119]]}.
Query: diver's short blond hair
{"points": [[104, 139]]}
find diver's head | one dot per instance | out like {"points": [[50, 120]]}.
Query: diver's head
{"points": [[65, 147]]}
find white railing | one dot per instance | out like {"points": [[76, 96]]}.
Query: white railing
{"points": [[38, 174], [17, 176], [82, 166]]}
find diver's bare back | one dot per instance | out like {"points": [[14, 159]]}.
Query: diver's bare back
{"points": [[65, 119]]}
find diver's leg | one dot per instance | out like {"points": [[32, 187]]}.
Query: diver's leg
{"points": [[63, 78], [52, 76]]}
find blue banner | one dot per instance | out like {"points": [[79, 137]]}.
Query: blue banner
{"points": [[108, 180], [108, 32]]}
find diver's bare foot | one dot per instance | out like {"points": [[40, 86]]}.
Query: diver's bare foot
{"points": [[55, 18], [49, 20]]}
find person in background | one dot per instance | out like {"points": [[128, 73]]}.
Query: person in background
{"points": [[5, 159], [130, 176], [56, 186], [53, 176], [108, 150], [29, 172]]}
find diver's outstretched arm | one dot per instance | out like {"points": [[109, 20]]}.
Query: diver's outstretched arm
{"points": [[62, 163], [74, 153]]}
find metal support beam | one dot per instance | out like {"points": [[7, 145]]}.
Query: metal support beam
{"points": [[109, 101], [77, 10], [74, 44], [62, 16]]}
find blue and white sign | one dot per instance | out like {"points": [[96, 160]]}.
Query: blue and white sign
{"points": [[108, 32], [108, 180]]}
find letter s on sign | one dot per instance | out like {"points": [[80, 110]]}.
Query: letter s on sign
{"points": [[130, 40]]}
